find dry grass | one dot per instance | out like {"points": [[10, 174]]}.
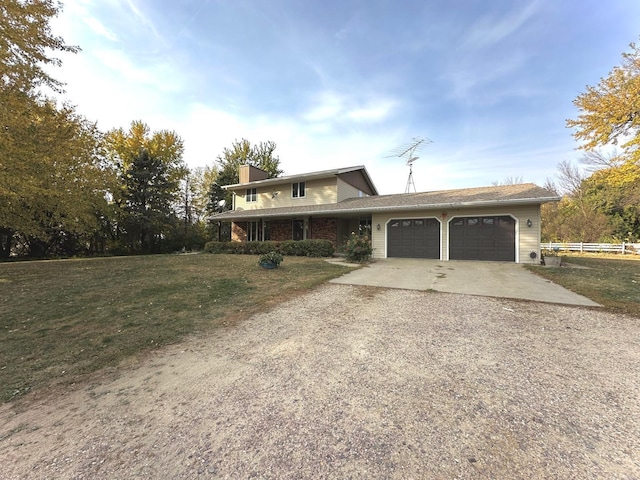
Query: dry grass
{"points": [[61, 320], [611, 280]]}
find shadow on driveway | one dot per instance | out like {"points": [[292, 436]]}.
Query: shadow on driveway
{"points": [[490, 279]]}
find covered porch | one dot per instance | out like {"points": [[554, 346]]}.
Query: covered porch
{"points": [[335, 228]]}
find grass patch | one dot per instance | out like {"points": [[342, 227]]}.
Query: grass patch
{"points": [[61, 320], [612, 281]]}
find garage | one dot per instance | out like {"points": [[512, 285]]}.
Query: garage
{"points": [[413, 238], [483, 238]]}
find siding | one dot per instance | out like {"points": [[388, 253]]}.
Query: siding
{"points": [[346, 190], [527, 238], [316, 192], [358, 180]]}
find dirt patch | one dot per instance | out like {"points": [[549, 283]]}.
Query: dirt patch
{"points": [[385, 384]]}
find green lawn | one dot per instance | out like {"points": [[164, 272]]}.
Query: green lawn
{"points": [[611, 280], [63, 319]]}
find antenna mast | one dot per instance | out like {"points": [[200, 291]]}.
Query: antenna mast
{"points": [[408, 152], [410, 182]]}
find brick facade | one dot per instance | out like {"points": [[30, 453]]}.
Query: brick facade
{"points": [[239, 232], [280, 230], [324, 229]]}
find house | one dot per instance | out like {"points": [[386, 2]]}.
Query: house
{"points": [[500, 223]]}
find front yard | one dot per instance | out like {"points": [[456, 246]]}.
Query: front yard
{"points": [[62, 320]]}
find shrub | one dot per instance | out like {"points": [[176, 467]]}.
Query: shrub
{"points": [[358, 248], [301, 248], [271, 257]]}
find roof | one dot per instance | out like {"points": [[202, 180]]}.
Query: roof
{"points": [[524, 193], [306, 176]]}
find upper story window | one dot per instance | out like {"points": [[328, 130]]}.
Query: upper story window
{"points": [[251, 195], [298, 190]]}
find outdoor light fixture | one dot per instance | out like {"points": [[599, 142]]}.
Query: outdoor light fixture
{"points": [[378, 227], [529, 222]]}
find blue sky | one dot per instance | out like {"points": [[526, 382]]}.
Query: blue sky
{"points": [[340, 83]]}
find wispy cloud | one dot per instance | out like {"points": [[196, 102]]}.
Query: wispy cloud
{"points": [[492, 29], [336, 108], [142, 18], [99, 28], [468, 79], [484, 67], [160, 75]]}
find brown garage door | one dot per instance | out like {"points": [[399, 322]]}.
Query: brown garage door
{"points": [[483, 238], [413, 238]]}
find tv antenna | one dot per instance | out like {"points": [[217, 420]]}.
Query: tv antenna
{"points": [[408, 152]]}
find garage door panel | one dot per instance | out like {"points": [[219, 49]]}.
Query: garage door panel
{"points": [[482, 238], [413, 238]]}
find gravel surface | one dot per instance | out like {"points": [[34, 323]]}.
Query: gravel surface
{"points": [[356, 382]]}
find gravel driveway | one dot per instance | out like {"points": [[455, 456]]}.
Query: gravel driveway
{"points": [[356, 382]]}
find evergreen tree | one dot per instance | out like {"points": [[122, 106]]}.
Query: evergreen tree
{"points": [[148, 195]]}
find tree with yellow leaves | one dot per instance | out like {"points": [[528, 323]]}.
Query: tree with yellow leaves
{"points": [[610, 111], [610, 115], [52, 182]]}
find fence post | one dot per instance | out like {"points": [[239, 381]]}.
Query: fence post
{"points": [[623, 248], [581, 247]]}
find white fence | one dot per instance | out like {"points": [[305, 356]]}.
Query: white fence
{"points": [[593, 247]]}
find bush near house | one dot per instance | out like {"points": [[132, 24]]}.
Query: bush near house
{"points": [[358, 248], [301, 248]]}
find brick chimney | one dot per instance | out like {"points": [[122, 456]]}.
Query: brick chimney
{"points": [[249, 173]]}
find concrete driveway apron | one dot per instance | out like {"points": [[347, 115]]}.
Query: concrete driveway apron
{"points": [[492, 279]]}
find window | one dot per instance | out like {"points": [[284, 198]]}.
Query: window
{"points": [[254, 232], [251, 195], [472, 221], [364, 228], [298, 190]]}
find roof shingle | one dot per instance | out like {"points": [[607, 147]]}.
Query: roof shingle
{"points": [[494, 195]]}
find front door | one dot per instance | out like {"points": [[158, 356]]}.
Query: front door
{"points": [[298, 229]]}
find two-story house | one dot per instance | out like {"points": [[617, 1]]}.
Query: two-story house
{"points": [[500, 223]]}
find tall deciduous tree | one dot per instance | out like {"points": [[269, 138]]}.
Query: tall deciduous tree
{"points": [[192, 207], [615, 192], [243, 153], [52, 181], [610, 111], [609, 115], [42, 147], [602, 206], [26, 44], [164, 145]]}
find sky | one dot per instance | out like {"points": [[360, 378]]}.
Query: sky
{"points": [[338, 83]]}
